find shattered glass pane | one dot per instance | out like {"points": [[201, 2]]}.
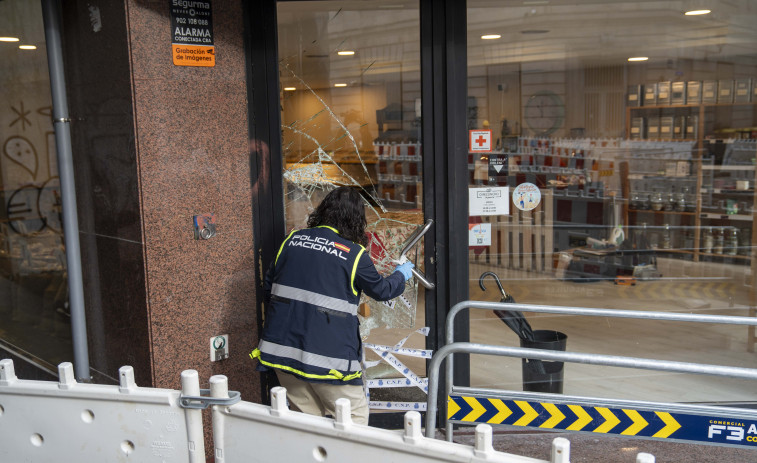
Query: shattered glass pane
{"points": [[354, 120]]}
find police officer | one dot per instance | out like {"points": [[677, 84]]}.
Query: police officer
{"points": [[311, 336]]}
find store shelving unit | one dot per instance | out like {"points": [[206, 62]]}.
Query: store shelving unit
{"points": [[398, 172], [726, 191], [703, 121]]}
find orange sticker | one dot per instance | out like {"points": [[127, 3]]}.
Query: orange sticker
{"points": [[194, 55]]}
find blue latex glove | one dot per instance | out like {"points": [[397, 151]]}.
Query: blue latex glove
{"points": [[405, 270]]}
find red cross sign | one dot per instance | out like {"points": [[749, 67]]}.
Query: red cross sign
{"points": [[480, 141]]}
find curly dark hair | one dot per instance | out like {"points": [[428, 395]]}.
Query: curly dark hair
{"points": [[344, 210]]}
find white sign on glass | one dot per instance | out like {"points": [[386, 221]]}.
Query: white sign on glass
{"points": [[489, 201]]}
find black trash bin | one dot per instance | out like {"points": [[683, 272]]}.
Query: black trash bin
{"points": [[543, 376]]}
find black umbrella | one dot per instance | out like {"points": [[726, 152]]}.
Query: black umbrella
{"points": [[514, 319]]}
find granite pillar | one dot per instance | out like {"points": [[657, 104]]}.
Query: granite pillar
{"points": [[154, 145]]}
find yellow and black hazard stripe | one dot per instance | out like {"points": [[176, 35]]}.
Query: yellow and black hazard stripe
{"points": [[657, 424]]}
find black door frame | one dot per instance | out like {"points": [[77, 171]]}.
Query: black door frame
{"points": [[445, 168]]}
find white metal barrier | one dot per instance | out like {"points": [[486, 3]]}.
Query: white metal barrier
{"points": [[44, 421], [295, 437]]}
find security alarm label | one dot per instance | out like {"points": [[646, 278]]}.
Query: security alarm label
{"points": [[192, 33], [480, 141]]}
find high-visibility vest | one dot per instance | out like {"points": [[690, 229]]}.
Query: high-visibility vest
{"points": [[311, 325]]}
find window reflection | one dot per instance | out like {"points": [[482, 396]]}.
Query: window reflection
{"points": [[33, 287], [637, 124]]}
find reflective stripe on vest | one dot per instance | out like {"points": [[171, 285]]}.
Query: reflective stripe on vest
{"points": [[308, 358], [333, 374], [312, 298], [354, 270]]}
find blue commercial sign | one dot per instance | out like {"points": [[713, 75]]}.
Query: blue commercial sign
{"points": [[650, 424]]}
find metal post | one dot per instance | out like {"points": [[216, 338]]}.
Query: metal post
{"points": [[61, 122]]}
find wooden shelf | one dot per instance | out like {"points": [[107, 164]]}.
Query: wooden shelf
{"points": [[693, 105], [650, 211]]}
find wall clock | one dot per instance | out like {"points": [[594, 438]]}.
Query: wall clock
{"points": [[544, 113]]}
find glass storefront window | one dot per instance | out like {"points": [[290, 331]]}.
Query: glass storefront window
{"points": [[350, 111], [623, 135], [34, 314]]}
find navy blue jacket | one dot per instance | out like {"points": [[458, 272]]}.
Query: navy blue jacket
{"points": [[312, 294]]}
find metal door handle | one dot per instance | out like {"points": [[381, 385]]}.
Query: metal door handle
{"points": [[410, 244]]}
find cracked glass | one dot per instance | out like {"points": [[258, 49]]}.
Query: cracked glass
{"points": [[350, 99]]}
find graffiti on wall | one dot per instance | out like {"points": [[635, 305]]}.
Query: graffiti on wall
{"points": [[31, 185]]}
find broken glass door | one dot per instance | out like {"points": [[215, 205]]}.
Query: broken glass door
{"points": [[350, 94]]}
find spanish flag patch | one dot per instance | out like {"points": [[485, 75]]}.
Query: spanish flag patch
{"points": [[342, 247]]}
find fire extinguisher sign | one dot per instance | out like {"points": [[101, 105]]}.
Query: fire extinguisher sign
{"points": [[192, 33]]}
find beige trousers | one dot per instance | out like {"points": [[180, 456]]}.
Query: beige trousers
{"points": [[320, 398]]}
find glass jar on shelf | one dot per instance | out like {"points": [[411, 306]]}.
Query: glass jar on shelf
{"points": [[717, 248], [655, 201], [732, 241], [644, 201], [708, 240], [666, 237], [680, 202], [639, 237], [745, 242], [669, 202]]}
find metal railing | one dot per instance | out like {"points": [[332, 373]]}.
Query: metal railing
{"points": [[594, 359]]}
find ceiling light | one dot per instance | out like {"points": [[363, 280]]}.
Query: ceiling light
{"points": [[638, 58], [27, 47], [697, 12], [8, 39], [340, 85], [491, 37], [290, 89], [345, 53], [534, 31]]}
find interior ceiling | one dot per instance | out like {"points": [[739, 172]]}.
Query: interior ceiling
{"points": [[582, 33]]}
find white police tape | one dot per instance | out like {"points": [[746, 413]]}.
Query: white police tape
{"points": [[409, 379], [390, 303], [404, 370], [377, 405], [393, 382], [405, 301], [398, 349], [423, 353]]}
